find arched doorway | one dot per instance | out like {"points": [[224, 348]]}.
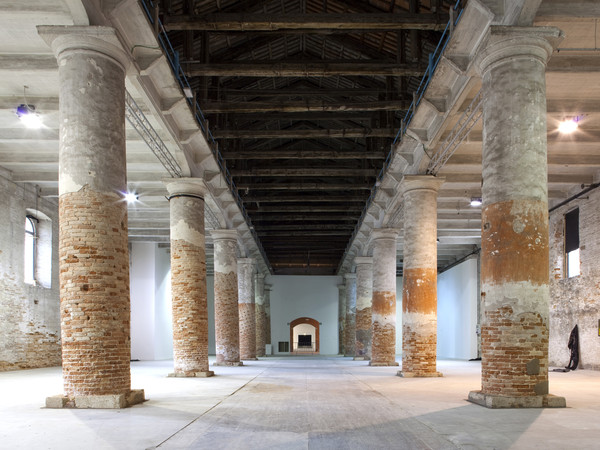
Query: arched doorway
{"points": [[304, 336]]}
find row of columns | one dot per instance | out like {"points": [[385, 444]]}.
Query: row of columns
{"points": [[93, 251]]}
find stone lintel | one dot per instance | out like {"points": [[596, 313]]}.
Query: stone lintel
{"points": [[229, 363], [405, 374], [202, 374], [186, 185], [109, 401], [501, 401]]}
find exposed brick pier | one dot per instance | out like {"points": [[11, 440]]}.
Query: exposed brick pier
{"points": [[260, 314], [93, 252], [514, 241], [247, 312], [268, 288], [383, 351], [364, 298], [341, 316], [350, 325], [227, 334], [188, 277], [419, 289]]}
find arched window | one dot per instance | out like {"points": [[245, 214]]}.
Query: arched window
{"points": [[30, 250]]}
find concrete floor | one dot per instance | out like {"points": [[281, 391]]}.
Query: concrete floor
{"points": [[299, 403]]}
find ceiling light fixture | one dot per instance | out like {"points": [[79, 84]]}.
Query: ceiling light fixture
{"points": [[27, 113], [568, 126], [131, 197], [475, 201]]}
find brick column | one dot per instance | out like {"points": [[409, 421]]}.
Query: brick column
{"points": [[383, 350], [260, 314], [419, 287], [227, 334], [514, 240], [188, 277], [350, 326], [364, 300], [268, 288], [93, 252], [341, 317], [247, 312]]}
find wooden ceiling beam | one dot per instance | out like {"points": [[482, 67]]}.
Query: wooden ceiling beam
{"points": [[312, 116], [301, 154], [303, 172], [303, 198], [306, 106], [301, 186], [346, 208], [303, 69], [302, 92], [324, 23], [304, 134]]}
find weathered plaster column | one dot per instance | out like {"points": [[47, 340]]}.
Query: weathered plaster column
{"points": [[188, 277], [341, 317], [350, 327], [364, 300], [93, 252], [383, 350], [227, 326], [260, 314], [246, 305], [268, 288], [514, 241], [419, 287]]}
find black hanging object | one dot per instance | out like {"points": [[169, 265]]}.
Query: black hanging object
{"points": [[574, 347]]}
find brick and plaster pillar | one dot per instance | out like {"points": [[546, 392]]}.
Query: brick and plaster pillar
{"points": [[514, 241], [247, 311], [383, 350], [350, 326], [93, 252], [188, 277], [364, 299], [268, 288], [341, 316], [227, 326], [419, 281], [260, 314]]}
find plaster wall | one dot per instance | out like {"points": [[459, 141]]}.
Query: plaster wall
{"points": [[457, 311], [29, 314], [576, 300]]}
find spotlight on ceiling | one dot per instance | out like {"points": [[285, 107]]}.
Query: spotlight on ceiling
{"points": [[131, 197], [475, 201], [28, 115], [568, 126]]}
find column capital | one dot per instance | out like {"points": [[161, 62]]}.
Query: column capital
{"points": [[510, 43], [104, 40], [246, 261], [268, 287], [231, 235], [341, 286], [363, 260], [192, 187], [421, 182], [384, 233], [350, 276]]}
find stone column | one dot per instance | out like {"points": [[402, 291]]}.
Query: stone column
{"points": [[260, 315], [350, 327], [364, 300], [227, 326], [93, 252], [188, 277], [514, 240], [419, 287], [341, 317], [383, 350], [268, 289], [247, 312]]}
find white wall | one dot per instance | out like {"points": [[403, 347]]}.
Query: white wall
{"points": [[303, 296], [163, 318], [398, 315], [457, 311]]}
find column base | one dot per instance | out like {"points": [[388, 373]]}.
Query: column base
{"points": [[109, 401], [202, 374], [501, 401], [361, 358], [404, 374], [383, 364], [229, 363]]}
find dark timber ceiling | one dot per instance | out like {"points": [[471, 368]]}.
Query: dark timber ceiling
{"points": [[304, 98]]}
